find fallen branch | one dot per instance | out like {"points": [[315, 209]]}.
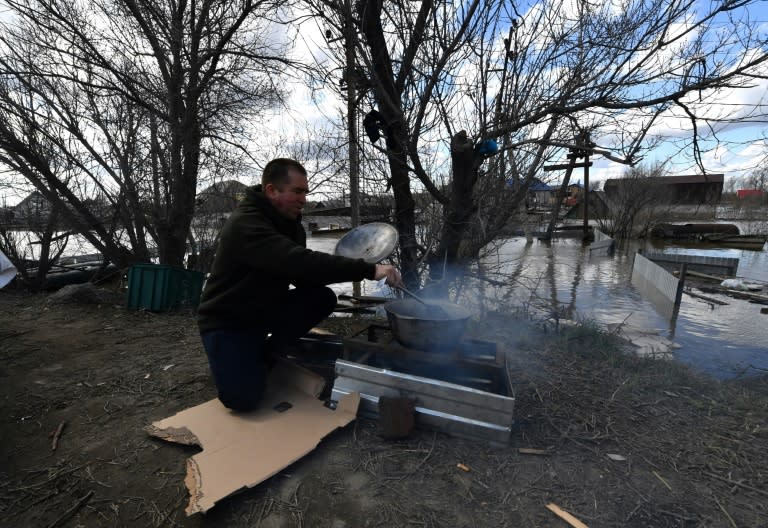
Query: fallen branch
{"points": [[72, 511], [421, 463], [56, 435], [662, 480], [735, 483], [564, 515], [169, 511], [50, 479], [532, 451], [728, 515]]}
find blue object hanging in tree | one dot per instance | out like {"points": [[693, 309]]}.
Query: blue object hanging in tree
{"points": [[487, 147]]}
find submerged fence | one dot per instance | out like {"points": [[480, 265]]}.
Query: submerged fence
{"points": [[654, 280], [603, 244]]}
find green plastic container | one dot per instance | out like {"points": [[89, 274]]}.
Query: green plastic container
{"points": [[160, 288]]}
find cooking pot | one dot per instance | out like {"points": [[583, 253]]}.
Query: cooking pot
{"points": [[438, 324]]}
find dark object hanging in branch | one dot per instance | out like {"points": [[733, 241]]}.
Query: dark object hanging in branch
{"points": [[375, 127], [373, 123]]}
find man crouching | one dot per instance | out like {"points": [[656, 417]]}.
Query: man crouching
{"points": [[247, 309]]}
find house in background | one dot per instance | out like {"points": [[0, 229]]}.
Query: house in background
{"points": [[540, 195], [33, 210], [221, 197], [694, 189], [574, 194]]}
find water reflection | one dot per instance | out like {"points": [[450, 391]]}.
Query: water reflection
{"points": [[562, 277]]}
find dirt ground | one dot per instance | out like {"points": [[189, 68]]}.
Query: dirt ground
{"points": [[692, 450]]}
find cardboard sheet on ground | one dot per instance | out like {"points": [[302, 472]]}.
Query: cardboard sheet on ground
{"points": [[242, 450]]}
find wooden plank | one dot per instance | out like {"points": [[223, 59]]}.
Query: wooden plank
{"points": [[565, 166]]}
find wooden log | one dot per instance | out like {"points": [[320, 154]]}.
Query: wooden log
{"points": [[749, 295], [739, 294], [701, 275], [708, 299], [532, 451]]}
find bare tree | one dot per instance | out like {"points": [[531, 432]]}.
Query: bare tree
{"points": [[34, 250], [635, 202], [752, 209], [446, 78], [141, 99], [758, 179]]}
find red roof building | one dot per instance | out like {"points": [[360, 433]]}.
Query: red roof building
{"points": [[749, 193]]}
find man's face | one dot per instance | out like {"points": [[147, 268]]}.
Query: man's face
{"points": [[289, 198]]}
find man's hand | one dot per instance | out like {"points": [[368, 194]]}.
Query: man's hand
{"points": [[385, 271]]}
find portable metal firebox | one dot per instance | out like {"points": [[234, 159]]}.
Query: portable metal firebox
{"points": [[463, 390]]}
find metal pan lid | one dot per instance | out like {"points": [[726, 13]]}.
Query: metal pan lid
{"points": [[371, 242]]}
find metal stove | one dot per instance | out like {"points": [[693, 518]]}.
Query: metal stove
{"points": [[464, 390]]}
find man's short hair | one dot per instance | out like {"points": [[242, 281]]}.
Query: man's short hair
{"points": [[276, 171]]}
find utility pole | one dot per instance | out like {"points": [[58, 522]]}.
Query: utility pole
{"points": [[354, 153], [587, 163], [586, 145]]}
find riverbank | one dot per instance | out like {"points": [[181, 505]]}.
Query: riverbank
{"points": [[614, 439]]}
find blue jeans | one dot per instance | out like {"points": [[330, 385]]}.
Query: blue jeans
{"points": [[240, 357]]}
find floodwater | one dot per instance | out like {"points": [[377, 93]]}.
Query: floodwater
{"points": [[561, 277], [722, 340]]}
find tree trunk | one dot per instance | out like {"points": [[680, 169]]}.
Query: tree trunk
{"points": [[446, 262], [391, 108], [405, 218]]}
